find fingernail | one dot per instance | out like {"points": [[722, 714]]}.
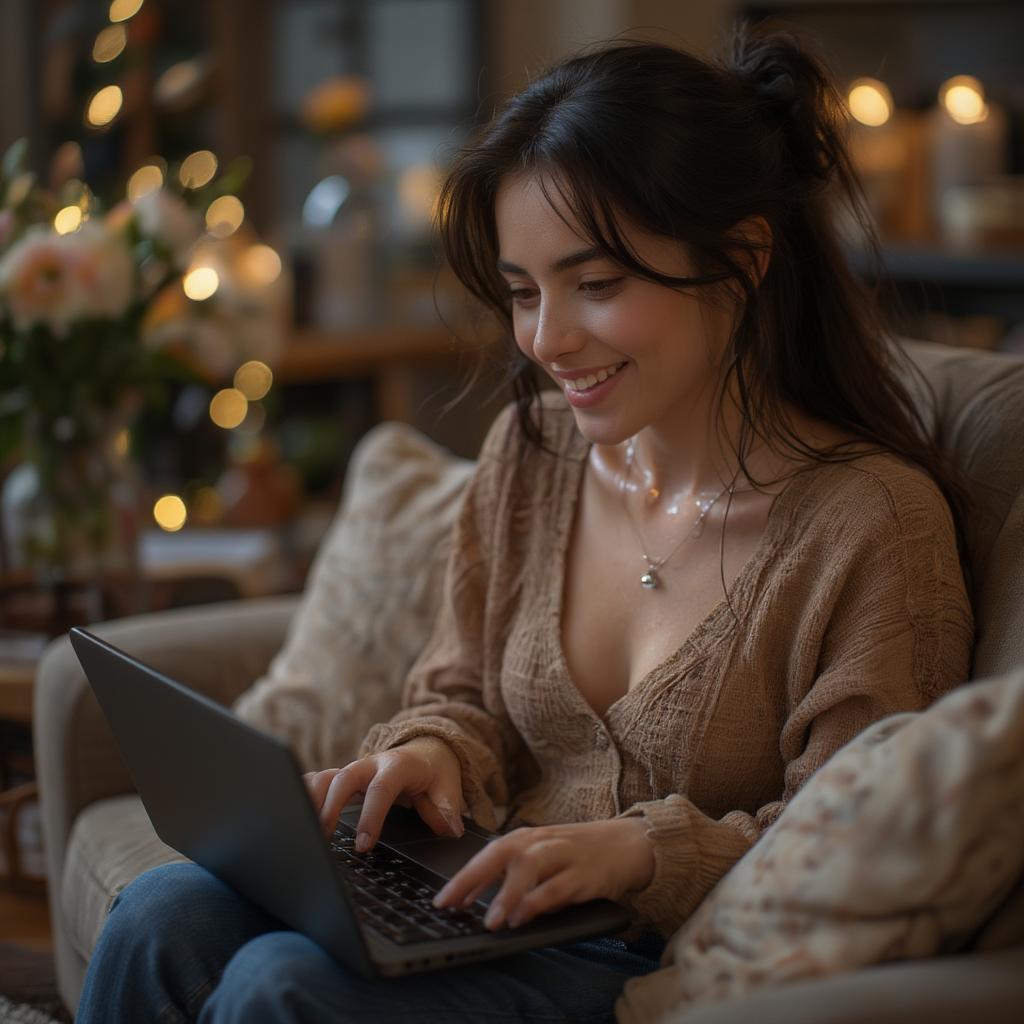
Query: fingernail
{"points": [[494, 915], [363, 842], [440, 898], [454, 823]]}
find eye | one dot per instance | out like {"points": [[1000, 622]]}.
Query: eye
{"points": [[522, 295], [600, 286]]}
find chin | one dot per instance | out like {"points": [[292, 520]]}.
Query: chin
{"points": [[598, 432]]}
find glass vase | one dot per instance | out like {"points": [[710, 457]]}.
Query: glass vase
{"points": [[71, 508]]}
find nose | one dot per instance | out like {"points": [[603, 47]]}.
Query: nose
{"points": [[556, 334]]}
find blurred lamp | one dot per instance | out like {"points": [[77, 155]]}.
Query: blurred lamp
{"points": [[870, 101], [963, 98]]}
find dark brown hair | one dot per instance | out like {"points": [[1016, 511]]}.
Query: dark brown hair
{"points": [[687, 148]]}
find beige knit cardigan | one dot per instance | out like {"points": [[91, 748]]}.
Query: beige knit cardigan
{"points": [[853, 607]]}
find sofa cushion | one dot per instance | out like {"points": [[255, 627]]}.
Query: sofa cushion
{"points": [[897, 848], [111, 842], [370, 601]]}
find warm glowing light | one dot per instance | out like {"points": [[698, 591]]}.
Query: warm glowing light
{"points": [[224, 216], [170, 513], [201, 283], [146, 179], [963, 96], [122, 10], [123, 442], [198, 168], [253, 379], [870, 101], [228, 408], [259, 266], [67, 220], [110, 43], [104, 106]]}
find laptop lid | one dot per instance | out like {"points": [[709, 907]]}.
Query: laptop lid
{"points": [[207, 782]]}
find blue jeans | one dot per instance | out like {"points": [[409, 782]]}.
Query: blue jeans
{"points": [[180, 945]]}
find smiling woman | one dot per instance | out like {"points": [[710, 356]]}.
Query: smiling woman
{"points": [[680, 580]]}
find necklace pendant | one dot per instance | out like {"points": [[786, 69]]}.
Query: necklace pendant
{"points": [[649, 580]]}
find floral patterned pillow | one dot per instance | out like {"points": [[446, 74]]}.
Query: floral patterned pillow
{"points": [[899, 847]]}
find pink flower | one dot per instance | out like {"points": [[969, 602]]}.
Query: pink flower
{"points": [[165, 217], [53, 280], [103, 270], [37, 281]]}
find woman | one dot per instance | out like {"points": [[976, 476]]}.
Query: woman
{"points": [[680, 580]]}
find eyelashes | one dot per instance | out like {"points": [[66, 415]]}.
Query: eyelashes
{"points": [[522, 296]]}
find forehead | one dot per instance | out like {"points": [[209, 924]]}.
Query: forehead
{"points": [[523, 211]]}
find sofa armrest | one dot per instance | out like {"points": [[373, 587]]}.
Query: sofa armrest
{"points": [[216, 649], [939, 990]]}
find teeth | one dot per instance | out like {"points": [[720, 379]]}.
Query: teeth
{"points": [[582, 383]]}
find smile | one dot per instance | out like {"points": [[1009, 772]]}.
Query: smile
{"points": [[585, 383]]}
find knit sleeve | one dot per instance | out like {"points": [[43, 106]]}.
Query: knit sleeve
{"points": [[899, 633], [446, 694]]}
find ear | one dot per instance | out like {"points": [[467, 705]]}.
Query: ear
{"points": [[756, 232]]}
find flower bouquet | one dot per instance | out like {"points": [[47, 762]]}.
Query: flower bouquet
{"points": [[101, 311]]}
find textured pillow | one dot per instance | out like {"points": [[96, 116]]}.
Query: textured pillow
{"points": [[370, 601], [898, 847]]}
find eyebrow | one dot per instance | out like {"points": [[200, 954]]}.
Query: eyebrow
{"points": [[562, 263]]}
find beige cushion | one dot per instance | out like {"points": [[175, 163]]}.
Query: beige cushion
{"points": [[370, 601], [112, 842], [896, 849]]}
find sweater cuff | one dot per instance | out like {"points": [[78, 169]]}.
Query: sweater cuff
{"points": [[692, 853], [477, 764]]}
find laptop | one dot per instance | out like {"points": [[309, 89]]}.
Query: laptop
{"points": [[232, 799]]}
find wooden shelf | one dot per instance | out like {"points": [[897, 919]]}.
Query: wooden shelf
{"points": [[314, 354]]}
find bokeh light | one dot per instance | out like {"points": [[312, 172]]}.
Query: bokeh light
{"points": [[122, 10], [870, 101], [146, 179], [109, 44], [253, 379], [228, 408], [198, 169], [224, 216], [170, 513], [201, 283], [104, 106], [67, 220], [963, 97], [259, 266]]}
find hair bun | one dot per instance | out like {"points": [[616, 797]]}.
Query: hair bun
{"points": [[773, 62]]}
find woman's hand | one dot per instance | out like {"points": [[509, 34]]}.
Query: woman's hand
{"points": [[549, 867], [424, 773]]}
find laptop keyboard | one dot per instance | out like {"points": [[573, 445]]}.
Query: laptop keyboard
{"points": [[393, 895]]}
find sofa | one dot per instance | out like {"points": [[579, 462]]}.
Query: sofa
{"points": [[318, 668]]}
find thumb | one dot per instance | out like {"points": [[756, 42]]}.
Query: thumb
{"points": [[439, 813]]}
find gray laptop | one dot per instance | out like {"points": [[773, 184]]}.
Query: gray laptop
{"points": [[233, 799]]}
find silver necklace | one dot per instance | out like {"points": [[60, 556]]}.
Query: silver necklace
{"points": [[650, 579]]}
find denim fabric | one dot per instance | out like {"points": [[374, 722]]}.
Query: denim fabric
{"points": [[180, 945]]}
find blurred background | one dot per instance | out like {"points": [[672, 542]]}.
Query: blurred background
{"points": [[271, 168]]}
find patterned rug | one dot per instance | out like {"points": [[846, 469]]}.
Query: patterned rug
{"points": [[28, 988], [22, 1013]]}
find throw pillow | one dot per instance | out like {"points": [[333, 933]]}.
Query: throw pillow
{"points": [[898, 847], [370, 601]]}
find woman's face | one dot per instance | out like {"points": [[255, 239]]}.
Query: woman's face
{"points": [[589, 318]]}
